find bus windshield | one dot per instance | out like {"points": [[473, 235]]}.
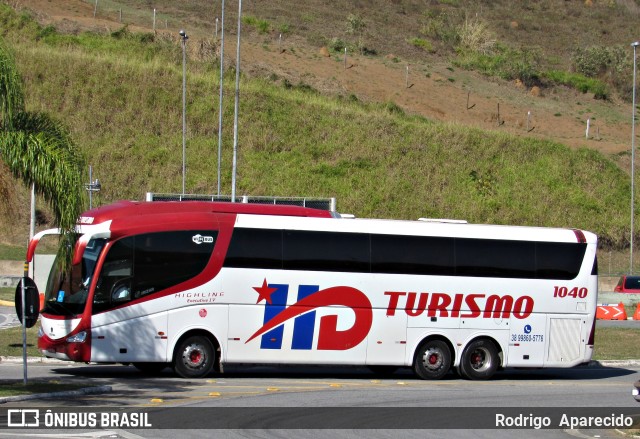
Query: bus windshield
{"points": [[66, 292]]}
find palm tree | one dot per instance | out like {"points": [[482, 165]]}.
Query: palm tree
{"points": [[39, 150]]}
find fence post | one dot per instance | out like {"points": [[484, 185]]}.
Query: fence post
{"points": [[406, 80], [588, 125]]}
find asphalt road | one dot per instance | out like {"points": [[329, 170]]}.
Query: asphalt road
{"points": [[250, 389], [8, 317]]}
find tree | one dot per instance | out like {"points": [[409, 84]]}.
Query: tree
{"points": [[39, 150]]}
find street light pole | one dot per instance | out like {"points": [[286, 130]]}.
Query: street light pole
{"points": [[633, 153], [184, 36], [237, 103], [220, 99], [93, 186]]}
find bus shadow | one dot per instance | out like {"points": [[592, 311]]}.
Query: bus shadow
{"points": [[130, 373]]}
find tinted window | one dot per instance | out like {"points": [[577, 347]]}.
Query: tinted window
{"points": [[412, 255], [559, 260], [255, 248], [325, 251], [363, 252], [495, 258], [148, 263]]}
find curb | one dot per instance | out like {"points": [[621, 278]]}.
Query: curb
{"points": [[67, 393], [7, 303], [33, 360], [614, 363]]}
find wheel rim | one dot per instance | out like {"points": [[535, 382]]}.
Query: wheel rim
{"points": [[433, 358], [194, 356], [480, 359]]}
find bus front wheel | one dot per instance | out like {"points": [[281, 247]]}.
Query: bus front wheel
{"points": [[432, 360], [194, 357], [479, 360]]}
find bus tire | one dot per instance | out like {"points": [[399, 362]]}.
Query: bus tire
{"points": [[194, 357], [432, 360], [479, 360]]}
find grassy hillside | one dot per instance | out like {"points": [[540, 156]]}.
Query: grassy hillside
{"points": [[537, 42], [120, 95]]}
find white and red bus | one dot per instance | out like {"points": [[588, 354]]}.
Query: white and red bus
{"points": [[197, 285]]}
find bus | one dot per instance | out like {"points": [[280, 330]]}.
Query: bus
{"points": [[200, 285]]}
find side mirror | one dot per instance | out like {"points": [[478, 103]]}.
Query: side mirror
{"points": [[31, 301], [121, 291]]}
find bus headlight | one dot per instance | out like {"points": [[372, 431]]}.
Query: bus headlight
{"points": [[80, 337], [40, 332]]}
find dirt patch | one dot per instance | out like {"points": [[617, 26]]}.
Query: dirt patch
{"points": [[435, 91]]}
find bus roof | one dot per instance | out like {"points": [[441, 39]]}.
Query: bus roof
{"points": [[422, 228], [128, 209], [125, 215]]}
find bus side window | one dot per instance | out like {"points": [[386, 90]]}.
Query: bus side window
{"points": [[165, 259], [148, 263]]}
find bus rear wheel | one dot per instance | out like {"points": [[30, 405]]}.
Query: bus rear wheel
{"points": [[432, 360], [194, 357], [479, 360]]}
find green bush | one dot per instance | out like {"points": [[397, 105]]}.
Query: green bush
{"points": [[579, 82], [596, 61], [610, 65], [504, 62], [441, 26], [260, 25], [338, 45], [421, 43]]}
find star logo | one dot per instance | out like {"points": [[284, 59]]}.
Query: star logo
{"points": [[264, 292]]}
